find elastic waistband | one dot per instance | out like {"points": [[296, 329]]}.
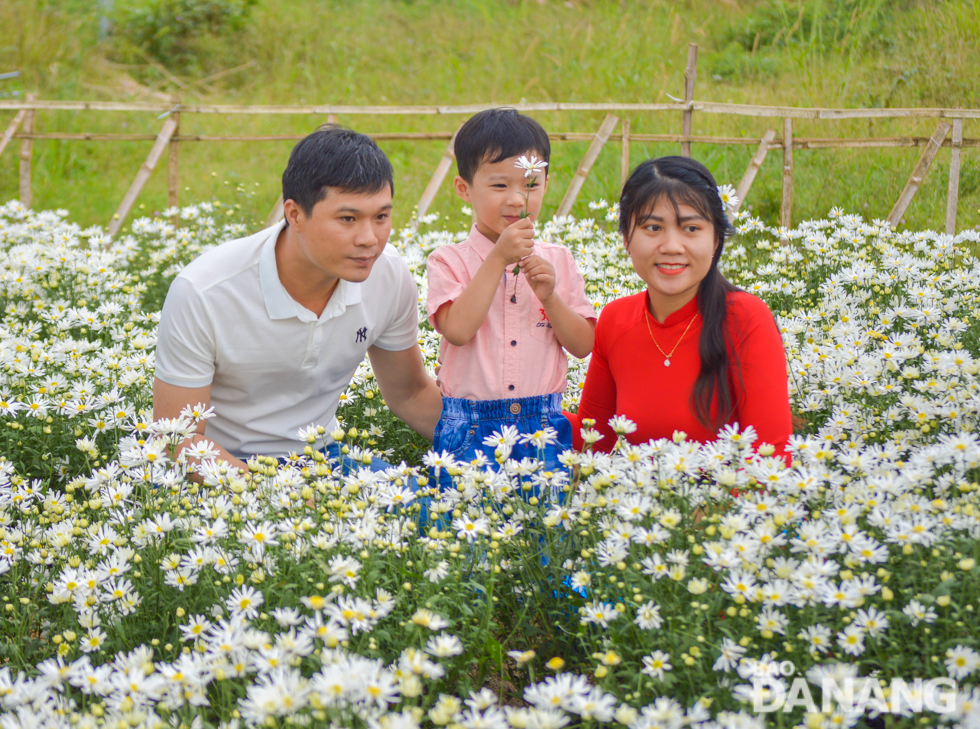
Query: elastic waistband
{"points": [[473, 410]]}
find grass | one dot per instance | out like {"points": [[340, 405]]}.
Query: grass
{"points": [[843, 53]]}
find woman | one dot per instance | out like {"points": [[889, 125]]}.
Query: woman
{"points": [[692, 352]]}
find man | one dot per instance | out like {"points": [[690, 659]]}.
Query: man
{"points": [[269, 329]]}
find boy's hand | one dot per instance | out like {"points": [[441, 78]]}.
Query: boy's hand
{"points": [[540, 277], [516, 242]]}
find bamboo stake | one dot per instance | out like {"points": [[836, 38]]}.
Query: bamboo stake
{"points": [[919, 173], [625, 163], [953, 194], [11, 129], [26, 158], [586, 166], [442, 169], [163, 138], [275, 215], [690, 75], [786, 215], [173, 167], [755, 164]]}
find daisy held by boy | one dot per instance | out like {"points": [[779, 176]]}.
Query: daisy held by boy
{"points": [[508, 308]]}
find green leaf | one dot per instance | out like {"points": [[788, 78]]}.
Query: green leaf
{"points": [[495, 651]]}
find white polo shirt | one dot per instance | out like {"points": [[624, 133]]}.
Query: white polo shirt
{"points": [[273, 365]]}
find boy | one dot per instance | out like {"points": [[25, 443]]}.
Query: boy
{"points": [[506, 306]]}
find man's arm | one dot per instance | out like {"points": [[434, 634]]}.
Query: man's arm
{"points": [[408, 390], [169, 400]]}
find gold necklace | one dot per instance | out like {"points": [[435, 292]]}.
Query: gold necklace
{"points": [[646, 318]]}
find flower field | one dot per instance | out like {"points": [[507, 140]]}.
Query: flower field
{"points": [[644, 592]]}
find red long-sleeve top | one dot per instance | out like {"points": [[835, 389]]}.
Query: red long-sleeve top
{"points": [[627, 375]]}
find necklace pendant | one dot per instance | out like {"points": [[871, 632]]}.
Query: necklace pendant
{"points": [[667, 362]]}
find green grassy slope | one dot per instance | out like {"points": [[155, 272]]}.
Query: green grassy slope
{"points": [[845, 53]]}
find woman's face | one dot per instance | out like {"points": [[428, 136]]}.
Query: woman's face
{"points": [[671, 251]]}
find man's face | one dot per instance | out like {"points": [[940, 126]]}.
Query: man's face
{"points": [[345, 232]]}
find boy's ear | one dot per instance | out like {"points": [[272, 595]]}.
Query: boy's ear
{"points": [[462, 188]]}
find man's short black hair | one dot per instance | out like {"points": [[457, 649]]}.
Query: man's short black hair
{"points": [[496, 134], [334, 156]]}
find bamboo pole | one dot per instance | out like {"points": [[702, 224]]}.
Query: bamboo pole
{"points": [[701, 106], [953, 193], [755, 164], [690, 76], [798, 142], [173, 167], [586, 166], [8, 133], [27, 157], [442, 169], [163, 138], [625, 160], [786, 214], [919, 173], [874, 143]]}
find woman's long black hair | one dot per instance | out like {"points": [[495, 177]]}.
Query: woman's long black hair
{"points": [[684, 181]]}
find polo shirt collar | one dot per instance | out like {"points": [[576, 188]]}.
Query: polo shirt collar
{"points": [[480, 243], [280, 305]]}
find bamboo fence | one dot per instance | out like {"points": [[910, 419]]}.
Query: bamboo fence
{"points": [[170, 139]]}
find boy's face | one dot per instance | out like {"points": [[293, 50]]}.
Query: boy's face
{"points": [[498, 192]]}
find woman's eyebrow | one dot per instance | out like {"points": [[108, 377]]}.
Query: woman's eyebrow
{"points": [[659, 219]]}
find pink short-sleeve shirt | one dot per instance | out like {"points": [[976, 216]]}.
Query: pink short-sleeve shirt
{"points": [[515, 352]]}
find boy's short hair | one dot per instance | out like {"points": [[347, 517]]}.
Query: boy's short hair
{"points": [[496, 134], [334, 156]]}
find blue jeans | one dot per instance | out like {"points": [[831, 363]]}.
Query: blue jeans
{"points": [[465, 423], [348, 466]]}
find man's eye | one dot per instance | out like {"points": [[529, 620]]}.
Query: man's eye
{"points": [[347, 218], [383, 217]]}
